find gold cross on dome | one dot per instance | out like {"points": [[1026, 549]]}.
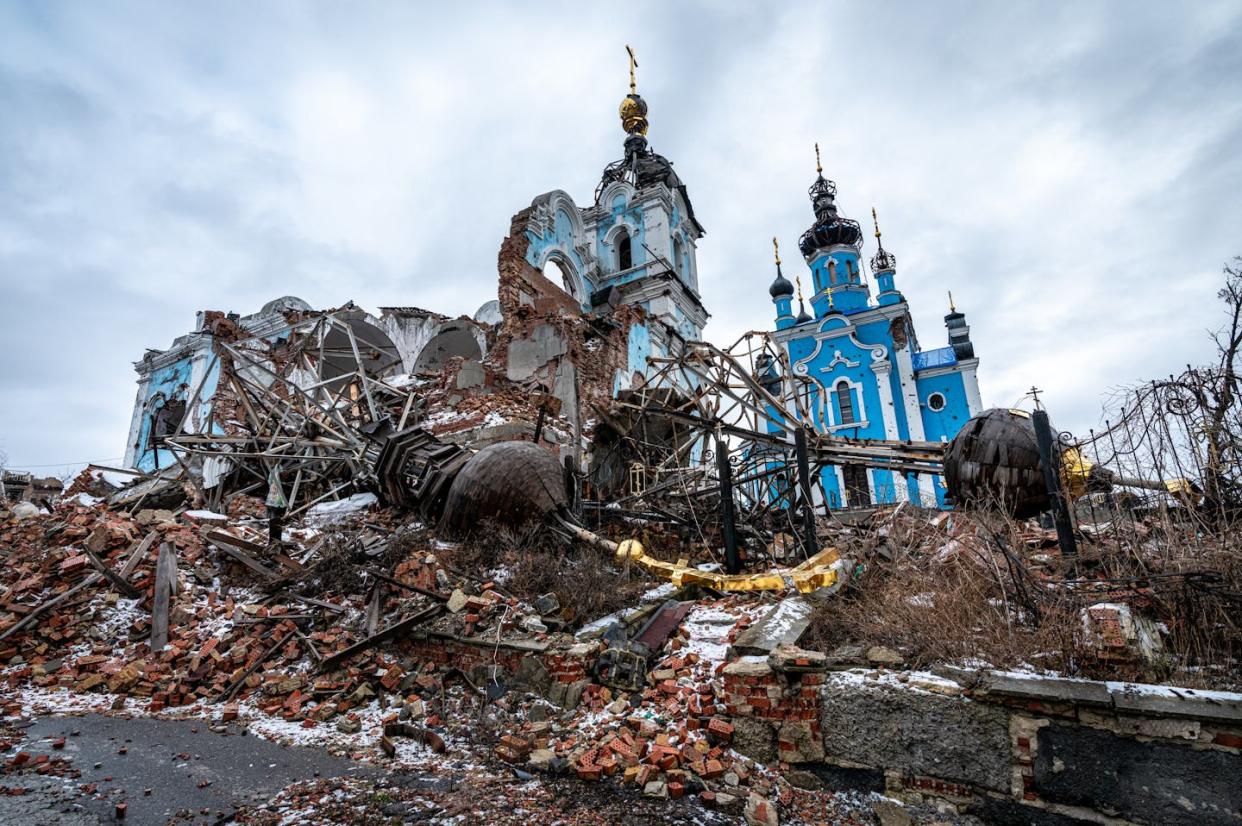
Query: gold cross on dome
{"points": [[776, 250], [633, 66], [818, 166]]}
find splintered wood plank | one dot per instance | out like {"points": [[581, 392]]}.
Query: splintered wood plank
{"points": [[165, 570], [113, 577]]}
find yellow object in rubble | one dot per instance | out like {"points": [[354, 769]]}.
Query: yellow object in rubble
{"points": [[820, 571], [1075, 471], [1183, 489]]}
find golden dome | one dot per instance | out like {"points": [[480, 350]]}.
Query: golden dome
{"points": [[633, 113]]}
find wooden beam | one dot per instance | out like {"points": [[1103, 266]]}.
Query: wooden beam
{"points": [[112, 576], [165, 572], [398, 627]]}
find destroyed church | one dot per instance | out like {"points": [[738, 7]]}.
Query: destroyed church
{"points": [[594, 302]]}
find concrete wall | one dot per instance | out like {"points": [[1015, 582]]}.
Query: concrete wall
{"points": [[1015, 749]]}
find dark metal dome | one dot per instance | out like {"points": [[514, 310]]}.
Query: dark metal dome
{"points": [[994, 462], [781, 288], [504, 485], [641, 167], [883, 261], [830, 228]]}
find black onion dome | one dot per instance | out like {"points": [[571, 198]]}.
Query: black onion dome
{"points": [[803, 315], [830, 228], [781, 288]]}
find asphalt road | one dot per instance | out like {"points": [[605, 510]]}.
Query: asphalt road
{"points": [[194, 775]]}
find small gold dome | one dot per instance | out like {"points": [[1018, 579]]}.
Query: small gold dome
{"points": [[633, 113]]}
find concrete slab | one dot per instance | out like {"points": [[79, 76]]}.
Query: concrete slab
{"points": [[783, 624], [1167, 701]]}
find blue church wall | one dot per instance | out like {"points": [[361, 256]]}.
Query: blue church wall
{"points": [[639, 348], [173, 383], [632, 218], [884, 486], [560, 239], [832, 490], [944, 424]]}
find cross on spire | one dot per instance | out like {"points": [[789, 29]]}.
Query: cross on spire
{"points": [[819, 167], [633, 66]]}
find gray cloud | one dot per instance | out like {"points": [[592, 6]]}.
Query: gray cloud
{"points": [[1069, 171]]}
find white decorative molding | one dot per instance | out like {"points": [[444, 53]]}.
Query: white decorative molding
{"points": [[839, 359], [878, 352]]}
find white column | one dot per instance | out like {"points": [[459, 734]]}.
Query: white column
{"points": [[135, 422], [974, 401], [914, 418], [883, 371]]}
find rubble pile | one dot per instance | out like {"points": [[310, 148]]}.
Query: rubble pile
{"points": [[394, 647]]}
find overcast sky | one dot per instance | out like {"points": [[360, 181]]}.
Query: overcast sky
{"points": [[1072, 172]]}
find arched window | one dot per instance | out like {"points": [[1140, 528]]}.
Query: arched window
{"points": [[849, 265], [845, 402], [168, 418], [625, 258], [555, 272], [679, 264], [832, 271]]}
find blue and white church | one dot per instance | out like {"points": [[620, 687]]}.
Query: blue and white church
{"points": [[867, 375]]}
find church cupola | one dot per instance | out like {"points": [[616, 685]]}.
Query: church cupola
{"points": [[884, 268], [641, 167], [803, 315], [831, 249], [959, 333], [781, 291]]}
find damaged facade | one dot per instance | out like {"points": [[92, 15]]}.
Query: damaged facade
{"points": [[585, 297]]}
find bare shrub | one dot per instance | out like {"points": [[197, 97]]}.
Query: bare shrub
{"points": [[536, 561], [989, 590]]}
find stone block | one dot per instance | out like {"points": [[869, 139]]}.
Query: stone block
{"points": [[470, 375], [1146, 781], [527, 355], [783, 624], [916, 732], [754, 738]]}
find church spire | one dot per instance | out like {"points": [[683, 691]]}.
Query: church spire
{"points": [[633, 109], [803, 315], [830, 229], [883, 260]]}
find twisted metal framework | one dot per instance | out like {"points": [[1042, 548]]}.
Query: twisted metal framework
{"points": [[746, 400], [313, 402]]}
